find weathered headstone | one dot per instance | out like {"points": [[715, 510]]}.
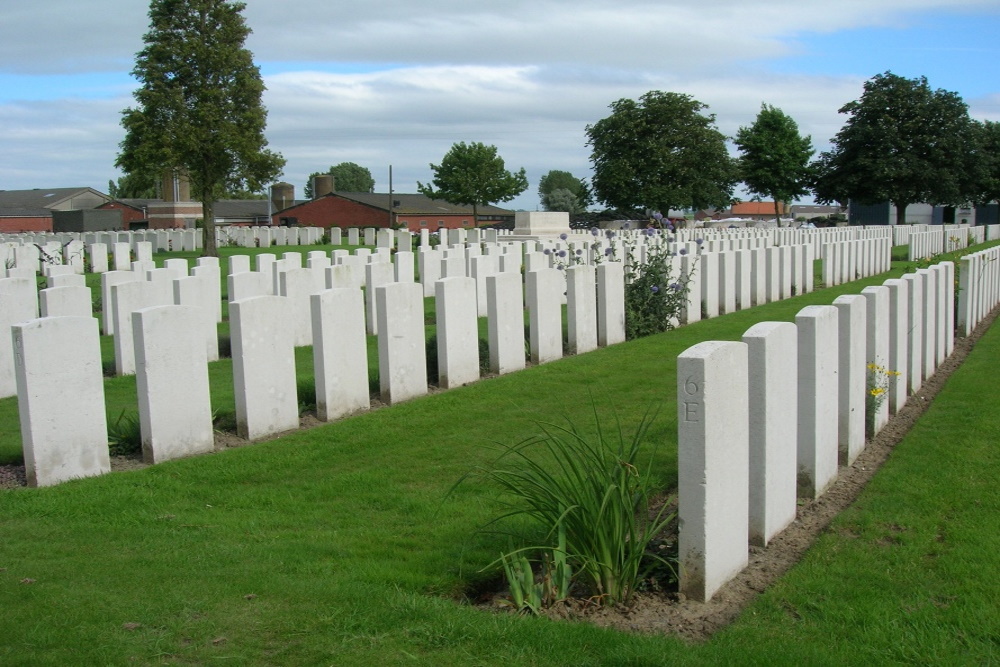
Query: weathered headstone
{"points": [[175, 410], [852, 318], [818, 399], [773, 400], [340, 353], [457, 332], [402, 351], [543, 292], [263, 367], [713, 465], [57, 357]]}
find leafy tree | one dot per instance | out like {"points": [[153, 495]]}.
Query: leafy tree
{"points": [[660, 152], [563, 180], [134, 186], [473, 175], [985, 186], [347, 177], [562, 199], [902, 142], [775, 158], [199, 104]]}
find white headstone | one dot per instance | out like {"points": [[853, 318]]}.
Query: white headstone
{"points": [[713, 465], [175, 410], [852, 374], [340, 353], [263, 367], [457, 332], [773, 402], [56, 358], [505, 303], [402, 351], [818, 399], [543, 291]]}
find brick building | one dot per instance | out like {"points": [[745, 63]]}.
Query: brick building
{"points": [[363, 209]]}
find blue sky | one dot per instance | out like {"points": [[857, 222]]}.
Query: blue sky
{"points": [[397, 83]]}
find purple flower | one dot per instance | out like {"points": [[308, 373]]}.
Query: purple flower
{"points": [[683, 251], [546, 251], [563, 236], [677, 287], [650, 232], [627, 225], [560, 267], [699, 241], [562, 253], [610, 234], [579, 252], [657, 215], [607, 252], [655, 289], [595, 231], [673, 239]]}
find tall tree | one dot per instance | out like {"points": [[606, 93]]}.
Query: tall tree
{"points": [[347, 177], [985, 185], [565, 181], [473, 175], [774, 160], [660, 152], [199, 105], [135, 186], [902, 142]]}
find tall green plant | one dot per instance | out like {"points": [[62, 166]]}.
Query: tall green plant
{"points": [[592, 494]]}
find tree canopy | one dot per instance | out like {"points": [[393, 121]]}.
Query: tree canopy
{"points": [[660, 152], [985, 177], [134, 186], [474, 175], [902, 142], [554, 186], [199, 104], [774, 160], [347, 177]]}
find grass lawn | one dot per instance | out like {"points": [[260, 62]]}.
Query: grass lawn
{"points": [[340, 545]]}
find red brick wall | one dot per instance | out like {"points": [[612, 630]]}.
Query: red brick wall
{"points": [[129, 214], [15, 225], [336, 212]]}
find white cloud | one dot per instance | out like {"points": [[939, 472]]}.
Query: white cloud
{"points": [[527, 76]]}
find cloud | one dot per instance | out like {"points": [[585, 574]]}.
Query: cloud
{"points": [[652, 34], [398, 83]]}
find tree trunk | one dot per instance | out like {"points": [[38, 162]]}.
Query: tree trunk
{"points": [[777, 211], [208, 248], [475, 214], [900, 212]]}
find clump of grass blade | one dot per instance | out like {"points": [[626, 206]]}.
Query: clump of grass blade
{"points": [[592, 497], [125, 434]]}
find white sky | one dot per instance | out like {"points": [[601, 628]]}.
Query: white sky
{"points": [[398, 83]]}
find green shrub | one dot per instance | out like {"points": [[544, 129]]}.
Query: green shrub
{"points": [[125, 434], [654, 296]]}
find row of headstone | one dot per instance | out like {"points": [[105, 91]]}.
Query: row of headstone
{"points": [[266, 236], [768, 420], [847, 261], [979, 288], [171, 367]]}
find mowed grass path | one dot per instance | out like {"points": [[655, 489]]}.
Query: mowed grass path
{"points": [[340, 545]]}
